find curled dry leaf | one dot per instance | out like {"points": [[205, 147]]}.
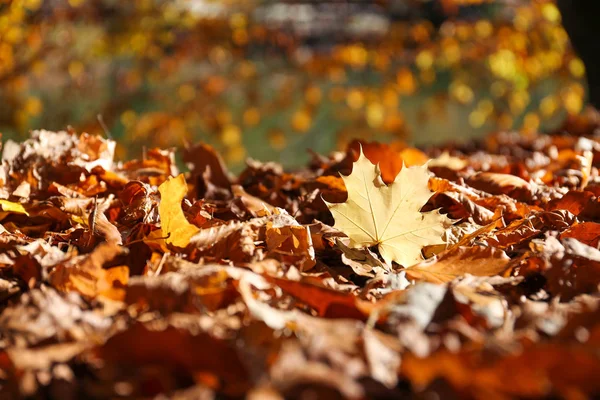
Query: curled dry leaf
{"points": [[362, 261], [495, 183], [585, 232], [291, 244], [101, 226], [459, 261]]}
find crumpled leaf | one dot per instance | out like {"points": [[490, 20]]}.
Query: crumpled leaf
{"points": [[585, 232], [476, 260], [291, 244], [175, 227], [389, 217], [86, 275], [362, 261], [496, 183], [101, 226]]}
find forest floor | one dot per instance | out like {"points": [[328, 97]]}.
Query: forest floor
{"points": [[467, 271]]}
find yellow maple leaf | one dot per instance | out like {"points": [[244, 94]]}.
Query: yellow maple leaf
{"points": [[174, 225], [389, 216]]}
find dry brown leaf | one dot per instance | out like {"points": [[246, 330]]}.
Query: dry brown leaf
{"points": [[86, 275], [291, 244], [447, 266]]}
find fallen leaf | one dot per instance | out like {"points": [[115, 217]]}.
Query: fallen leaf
{"points": [[175, 227], [10, 207], [496, 183], [389, 216], [585, 232], [476, 260], [86, 275], [448, 161]]}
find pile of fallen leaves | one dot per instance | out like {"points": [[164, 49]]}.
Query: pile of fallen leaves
{"points": [[382, 271]]}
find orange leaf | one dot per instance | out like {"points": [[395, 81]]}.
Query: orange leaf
{"points": [[173, 222]]}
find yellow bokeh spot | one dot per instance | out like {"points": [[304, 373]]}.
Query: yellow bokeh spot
{"points": [[483, 28], [461, 92], [138, 42], [531, 122], [14, 34], [573, 101], [476, 119], [224, 117], [277, 139], [186, 92], [235, 154], [390, 98], [170, 13], [551, 13], [549, 106], [246, 69], [518, 101], [486, 107], [38, 68], [231, 135], [240, 37], [33, 106], [76, 68], [238, 21], [577, 68], [251, 116], [503, 64], [176, 130], [424, 59], [355, 99], [312, 95], [301, 121], [356, 56], [406, 81], [451, 51], [76, 3], [32, 4], [128, 118], [375, 115], [337, 94], [505, 121], [523, 19]]}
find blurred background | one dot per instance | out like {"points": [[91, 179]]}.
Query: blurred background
{"points": [[269, 79]]}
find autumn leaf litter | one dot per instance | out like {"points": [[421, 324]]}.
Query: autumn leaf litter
{"points": [[473, 275]]}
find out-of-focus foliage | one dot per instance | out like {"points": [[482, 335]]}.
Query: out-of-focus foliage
{"points": [[268, 79]]}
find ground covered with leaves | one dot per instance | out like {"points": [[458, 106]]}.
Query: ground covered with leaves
{"points": [[474, 275]]}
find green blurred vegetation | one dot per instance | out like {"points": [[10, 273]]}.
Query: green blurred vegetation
{"points": [[269, 79]]}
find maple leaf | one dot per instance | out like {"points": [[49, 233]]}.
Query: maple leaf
{"points": [[389, 216], [175, 227]]}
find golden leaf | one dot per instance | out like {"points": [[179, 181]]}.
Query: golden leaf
{"points": [[389, 216], [175, 227], [12, 207]]}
